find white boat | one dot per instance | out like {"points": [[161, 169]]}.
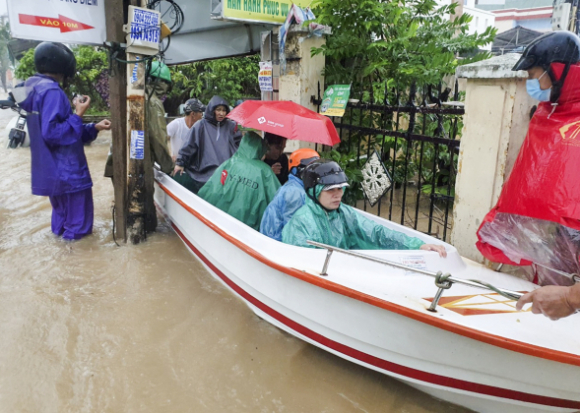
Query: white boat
{"points": [[476, 350]]}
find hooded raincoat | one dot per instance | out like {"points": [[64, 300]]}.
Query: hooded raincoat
{"points": [[343, 228], [243, 186], [57, 136], [537, 216], [210, 143], [157, 128], [289, 199]]}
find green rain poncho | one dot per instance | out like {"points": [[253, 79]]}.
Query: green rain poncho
{"points": [[343, 228], [157, 128], [243, 186]]}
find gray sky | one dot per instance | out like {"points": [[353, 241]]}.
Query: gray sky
{"points": [[3, 9]]}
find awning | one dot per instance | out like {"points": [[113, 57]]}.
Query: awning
{"points": [[203, 38]]}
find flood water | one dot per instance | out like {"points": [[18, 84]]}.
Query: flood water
{"points": [[92, 327]]}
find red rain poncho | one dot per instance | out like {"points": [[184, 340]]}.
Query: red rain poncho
{"points": [[537, 217]]}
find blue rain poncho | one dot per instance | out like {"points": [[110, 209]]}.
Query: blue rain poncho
{"points": [[243, 186], [343, 228], [57, 136], [288, 200]]}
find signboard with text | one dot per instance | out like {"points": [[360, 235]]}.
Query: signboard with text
{"points": [[144, 31], [265, 77], [257, 11], [70, 21], [334, 100]]}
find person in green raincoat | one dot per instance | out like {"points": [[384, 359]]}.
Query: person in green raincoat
{"points": [[243, 186], [157, 87], [324, 218]]}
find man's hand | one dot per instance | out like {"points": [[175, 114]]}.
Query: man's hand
{"points": [[277, 168], [440, 249], [105, 124], [178, 169], [81, 104], [554, 302]]}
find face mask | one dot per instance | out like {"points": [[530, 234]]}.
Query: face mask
{"points": [[161, 89], [534, 90]]}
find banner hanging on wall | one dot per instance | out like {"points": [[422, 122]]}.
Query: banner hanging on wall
{"points": [[334, 100], [255, 11], [265, 77]]}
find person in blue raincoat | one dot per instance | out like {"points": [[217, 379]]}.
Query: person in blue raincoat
{"points": [[324, 218], [59, 167], [290, 197]]}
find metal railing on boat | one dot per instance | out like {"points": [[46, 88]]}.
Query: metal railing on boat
{"points": [[442, 281]]}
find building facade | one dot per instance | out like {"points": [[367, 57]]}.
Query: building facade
{"points": [[530, 14]]}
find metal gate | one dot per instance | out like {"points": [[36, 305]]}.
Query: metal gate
{"points": [[416, 134]]}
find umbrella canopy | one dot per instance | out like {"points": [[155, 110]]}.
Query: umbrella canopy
{"points": [[287, 119]]}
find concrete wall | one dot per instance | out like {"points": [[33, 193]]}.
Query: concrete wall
{"points": [[497, 109], [303, 74]]}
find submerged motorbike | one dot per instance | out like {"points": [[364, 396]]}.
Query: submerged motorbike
{"points": [[17, 135]]}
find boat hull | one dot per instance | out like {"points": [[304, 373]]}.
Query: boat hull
{"points": [[389, 338]]}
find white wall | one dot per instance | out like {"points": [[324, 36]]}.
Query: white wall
{"points": [[501, 2], [481, 19]]}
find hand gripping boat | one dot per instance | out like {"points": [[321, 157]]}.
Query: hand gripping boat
{"points": [[474, 350]]}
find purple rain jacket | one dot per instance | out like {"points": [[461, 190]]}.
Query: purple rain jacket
{"points": [[59, 165]]}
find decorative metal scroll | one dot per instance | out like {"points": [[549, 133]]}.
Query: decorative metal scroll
{"points": [[376, 179]]}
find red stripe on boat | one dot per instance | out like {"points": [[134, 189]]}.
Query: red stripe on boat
{"points": [[498, 341], [378, 362]]}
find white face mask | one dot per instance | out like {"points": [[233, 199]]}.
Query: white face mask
{"points": [[535, 91]]}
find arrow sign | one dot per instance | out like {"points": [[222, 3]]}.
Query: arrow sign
{"points": [[63, 23]]}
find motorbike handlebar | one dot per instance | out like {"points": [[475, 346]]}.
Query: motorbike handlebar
{"points": [[7, 104]]}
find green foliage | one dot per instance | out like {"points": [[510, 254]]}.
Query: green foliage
{"points": [[232, 78], [393, 46], [25, 67], [91, 63], [404, 41]]}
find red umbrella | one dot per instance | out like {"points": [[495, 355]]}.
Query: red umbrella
{"points": [[287, 119]]}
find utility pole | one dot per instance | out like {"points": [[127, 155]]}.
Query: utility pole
{"points": [[140, 218], [132, 168], [116, 13]]}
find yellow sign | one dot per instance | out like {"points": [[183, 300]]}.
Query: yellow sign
{"points": [[266, 11]]}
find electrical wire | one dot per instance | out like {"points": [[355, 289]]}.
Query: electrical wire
{"points": [[176, 15]]}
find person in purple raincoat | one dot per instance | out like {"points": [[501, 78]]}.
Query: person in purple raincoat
{"points": [[59, 166]]}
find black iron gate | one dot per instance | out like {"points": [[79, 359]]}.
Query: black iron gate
{"points": [[418, 142]]}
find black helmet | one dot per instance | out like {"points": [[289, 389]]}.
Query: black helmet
{"points": [[52, 57], [554, 47], [193, 105], [323, 172]]}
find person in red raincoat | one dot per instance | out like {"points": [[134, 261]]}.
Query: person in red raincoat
{"points": [[537, 218]]}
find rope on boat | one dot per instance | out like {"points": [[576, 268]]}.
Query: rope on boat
{"points": [[504, 293], [442, 281]]}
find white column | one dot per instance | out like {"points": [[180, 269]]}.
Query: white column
{"points": [[303, 74], [497, 114]]}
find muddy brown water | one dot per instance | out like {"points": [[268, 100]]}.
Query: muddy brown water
{"points": [[92, 327]]}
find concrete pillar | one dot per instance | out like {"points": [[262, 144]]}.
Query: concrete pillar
{"points": [[497, 114], [303, 73]]}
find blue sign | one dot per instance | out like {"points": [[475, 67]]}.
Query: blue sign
{"points": [[134, 74], [145, 26], [137, 144]]}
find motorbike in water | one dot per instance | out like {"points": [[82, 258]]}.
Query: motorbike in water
{"points": [[17, 135]]}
